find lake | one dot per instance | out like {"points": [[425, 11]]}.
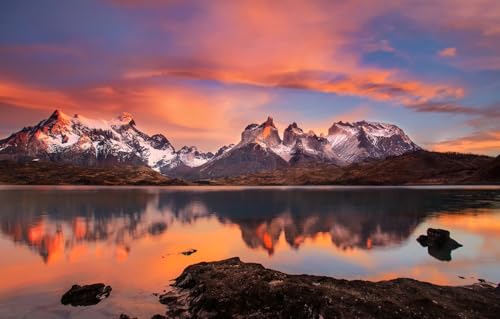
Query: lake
{"points": [[132, 238]]}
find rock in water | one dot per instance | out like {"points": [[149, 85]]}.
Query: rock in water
{"points": [[439, 243], [87, 295], [422, 240], [437, 237], [189, 252]]}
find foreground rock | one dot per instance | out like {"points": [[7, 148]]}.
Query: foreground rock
{"points": [[439, 243], [87, 295], [233, 289]]}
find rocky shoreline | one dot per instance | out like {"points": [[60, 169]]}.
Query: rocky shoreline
{"points": [[233, 289]]}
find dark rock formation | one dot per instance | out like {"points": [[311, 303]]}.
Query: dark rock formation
{"points": [[87, 295], [189, 252], [233, 289], [438, 243]]}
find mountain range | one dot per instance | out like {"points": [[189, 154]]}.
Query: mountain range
{"points": [[79, 140]]}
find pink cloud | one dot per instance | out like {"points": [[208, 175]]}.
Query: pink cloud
{"points": [[485, 142], [448, 52]]}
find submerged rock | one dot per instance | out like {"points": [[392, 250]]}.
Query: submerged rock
{"points": [[87, 295], [439, 243], [189, 252], [233, 289]]}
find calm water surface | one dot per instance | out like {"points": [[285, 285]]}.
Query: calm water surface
{"points": [[130, 238]]}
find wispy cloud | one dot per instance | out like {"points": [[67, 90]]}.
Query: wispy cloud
{"points": [[448, 52], [483, 142], [455, 108]]}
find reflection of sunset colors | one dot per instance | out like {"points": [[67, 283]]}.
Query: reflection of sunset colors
{"points": [[479, 222], [50, 243], [200, 71], [132, 238], [297, 231]]}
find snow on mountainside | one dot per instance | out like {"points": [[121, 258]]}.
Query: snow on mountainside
{"points": [[353, 142], [261, 147], [85, 141], [191, 157]]}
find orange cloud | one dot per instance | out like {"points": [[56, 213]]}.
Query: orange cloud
{"points": [[183, 114], [31, 97], [292, 44], [378, 85], [448, 52], [483, 142]]}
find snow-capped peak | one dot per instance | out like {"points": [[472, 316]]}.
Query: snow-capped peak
{"points": [[85, 141], [91, 141], [125, 118], [58, 115], [359, 140], [268, 122], [291, 134]]}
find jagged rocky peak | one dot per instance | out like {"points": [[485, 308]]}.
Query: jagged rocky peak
{"points": [[160, 142], [338, 127], [88, 141], [291, 134], [224, 149], [57, 123], [57, 116], [265, 134], [194, 150], [192, 157], [268, 122], [124, 118], [188, 149]]}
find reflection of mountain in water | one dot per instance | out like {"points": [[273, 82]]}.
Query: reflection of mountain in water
{"points": [[362, 218], [52, 220]]}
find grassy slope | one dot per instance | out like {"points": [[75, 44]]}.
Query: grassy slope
{"points": [[48, 173], [416, 168]]}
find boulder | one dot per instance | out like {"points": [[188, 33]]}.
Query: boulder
{"points": [[233, 289], [86, 295], [437, 237], [439, 243]]}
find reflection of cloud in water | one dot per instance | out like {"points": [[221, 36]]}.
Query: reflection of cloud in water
{"points": [[54, 222]]}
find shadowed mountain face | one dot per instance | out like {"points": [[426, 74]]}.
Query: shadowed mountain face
{"points": [[50, 220]]}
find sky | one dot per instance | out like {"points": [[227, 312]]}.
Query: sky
{"points": [[200, 71]]}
